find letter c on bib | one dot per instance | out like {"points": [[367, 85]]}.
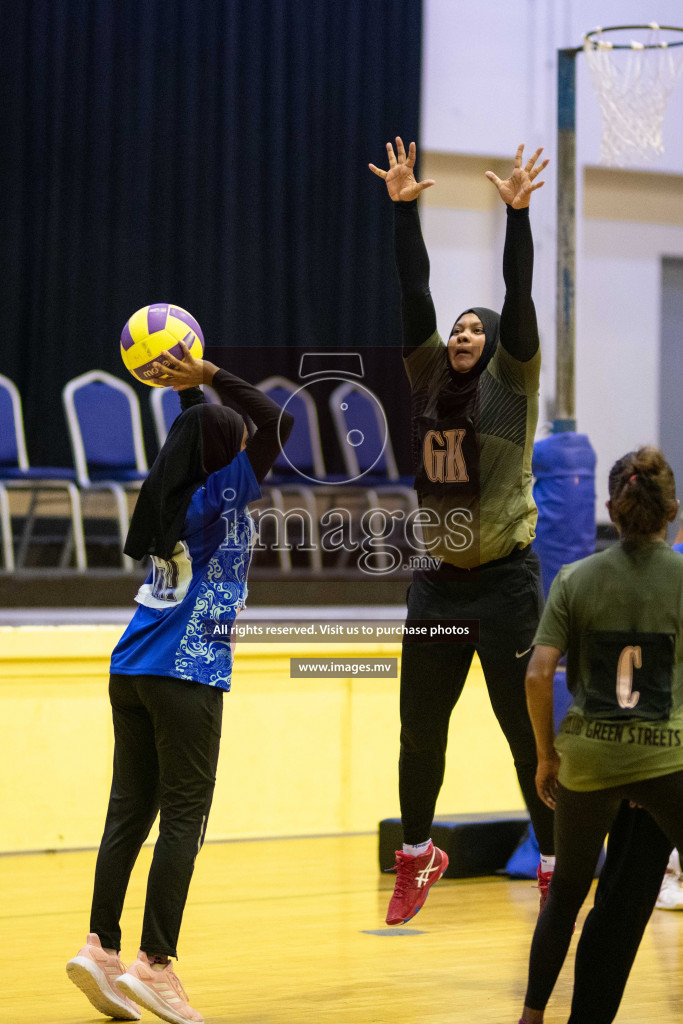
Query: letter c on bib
{"points": [[630, 658]]}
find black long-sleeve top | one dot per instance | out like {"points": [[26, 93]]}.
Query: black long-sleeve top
{"points": [[273, 425], [518, 325]]}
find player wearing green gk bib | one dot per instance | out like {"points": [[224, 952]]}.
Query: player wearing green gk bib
{"points": [[473, 412]]}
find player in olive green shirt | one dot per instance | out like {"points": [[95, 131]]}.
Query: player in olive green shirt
{"points": [[474, 409], [619, 617]]}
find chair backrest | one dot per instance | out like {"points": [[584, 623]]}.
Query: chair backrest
{"points": [[362, 431], [302, 453], [165, 404], [12, 439], [103, 415]]}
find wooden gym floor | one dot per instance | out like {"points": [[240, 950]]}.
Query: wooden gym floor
{"points": [[291, 931]]}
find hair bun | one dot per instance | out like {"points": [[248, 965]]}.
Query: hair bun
{"points": [[644, 509]]}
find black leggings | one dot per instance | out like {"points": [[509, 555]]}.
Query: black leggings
{"points": [[582, 820], [504, 599], [637, 856], [167, 735]]}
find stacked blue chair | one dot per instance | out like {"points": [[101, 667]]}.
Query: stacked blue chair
{"points": [[103, 416], [299, 469], [165, 403], [43, 482], [302, 456], [365, 442]]}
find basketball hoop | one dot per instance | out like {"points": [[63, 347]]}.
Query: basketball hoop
{"points": [[633, 81]]}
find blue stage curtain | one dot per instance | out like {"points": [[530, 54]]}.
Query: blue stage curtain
{"points": [[210, 153]]}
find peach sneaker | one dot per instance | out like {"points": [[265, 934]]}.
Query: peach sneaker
{"points": [[94, 971], [158, 991]]}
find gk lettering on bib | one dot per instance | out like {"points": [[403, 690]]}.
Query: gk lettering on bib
{"points": [[449, 457]]}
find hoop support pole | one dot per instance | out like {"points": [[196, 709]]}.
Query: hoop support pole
{"points": [[565, 409]]}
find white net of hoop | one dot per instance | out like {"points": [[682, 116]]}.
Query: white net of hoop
{"points": [[633, 88]]}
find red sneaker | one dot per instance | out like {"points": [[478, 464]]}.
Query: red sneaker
{"points": [[414, 876], [543, 886]]}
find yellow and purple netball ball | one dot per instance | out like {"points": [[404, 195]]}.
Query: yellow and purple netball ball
{"points": [[155, 329]]}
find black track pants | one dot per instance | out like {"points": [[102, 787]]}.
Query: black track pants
{"points": [[167, 736], [637, 856], [582, 820], [505, 599]]}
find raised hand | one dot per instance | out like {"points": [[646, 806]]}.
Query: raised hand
{"points": [[183, 373], [401, 183], [516, 190]]}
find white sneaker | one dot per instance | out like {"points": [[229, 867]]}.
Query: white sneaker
{"points": [[670, 895]]}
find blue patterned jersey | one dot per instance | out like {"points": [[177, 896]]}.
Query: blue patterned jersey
{"points": [[202, 585]]}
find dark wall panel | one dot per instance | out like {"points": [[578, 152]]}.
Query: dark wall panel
{"points": [[209, 154]]}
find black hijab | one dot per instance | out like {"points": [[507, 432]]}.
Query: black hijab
{"points": [[458, 392], [201, 440]]}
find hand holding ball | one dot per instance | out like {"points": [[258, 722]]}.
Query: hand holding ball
{"points": [[156, 329], [186, 372]]}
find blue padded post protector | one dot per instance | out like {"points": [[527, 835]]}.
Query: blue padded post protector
{"points": [[564, 490]]}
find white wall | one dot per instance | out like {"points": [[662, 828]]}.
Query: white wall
{"points": [[489, 72], [618, 336], [489, 82]]}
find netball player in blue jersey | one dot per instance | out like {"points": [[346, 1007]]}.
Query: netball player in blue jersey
{"points": [[168, 676]]}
